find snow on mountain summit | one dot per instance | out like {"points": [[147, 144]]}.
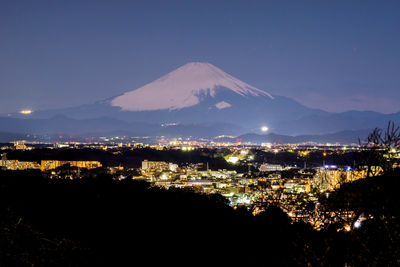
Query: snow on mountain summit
{"points": [[182, 88]]}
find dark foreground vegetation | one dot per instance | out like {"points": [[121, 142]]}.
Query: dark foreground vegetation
{"points": [[102, 222]]}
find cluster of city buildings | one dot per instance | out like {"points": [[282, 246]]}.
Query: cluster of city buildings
{"points": [[45, 165], [295, 189], [269, 186]]}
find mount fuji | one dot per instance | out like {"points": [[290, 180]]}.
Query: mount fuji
{"points": [[200, 96], [195, 93], [185, 87]]}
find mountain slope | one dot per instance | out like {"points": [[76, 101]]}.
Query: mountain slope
{"points": [[195, 93], [184, 87], [202, 94]]}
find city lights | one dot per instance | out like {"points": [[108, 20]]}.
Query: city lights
{"points": [[26, 111], [233, 159]]}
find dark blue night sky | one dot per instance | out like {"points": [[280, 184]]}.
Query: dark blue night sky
{"points": [[333, 55]]}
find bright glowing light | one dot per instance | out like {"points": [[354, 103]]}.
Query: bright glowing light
{"points": [[267, 145], [26, 111], [357, 224], [233, 160], [264, 129]]}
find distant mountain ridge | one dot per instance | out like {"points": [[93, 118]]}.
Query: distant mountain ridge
{"points": [[49, 130], [202, 94], [62, 125], [343, 137]]}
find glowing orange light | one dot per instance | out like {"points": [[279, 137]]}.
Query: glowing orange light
{"points": [[26, 111]]}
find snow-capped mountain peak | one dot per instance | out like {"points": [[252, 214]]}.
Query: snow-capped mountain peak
{"points": [[184, 87]]}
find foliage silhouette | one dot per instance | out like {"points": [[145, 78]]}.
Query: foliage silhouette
{"points": [[124, 222]]}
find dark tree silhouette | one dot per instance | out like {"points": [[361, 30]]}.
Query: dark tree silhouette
{"points": [[380, 150]]}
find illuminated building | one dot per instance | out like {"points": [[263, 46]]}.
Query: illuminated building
{"points": [[53, 164], [270, 167], [20, 145], [18, 165], [148, 166]]}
